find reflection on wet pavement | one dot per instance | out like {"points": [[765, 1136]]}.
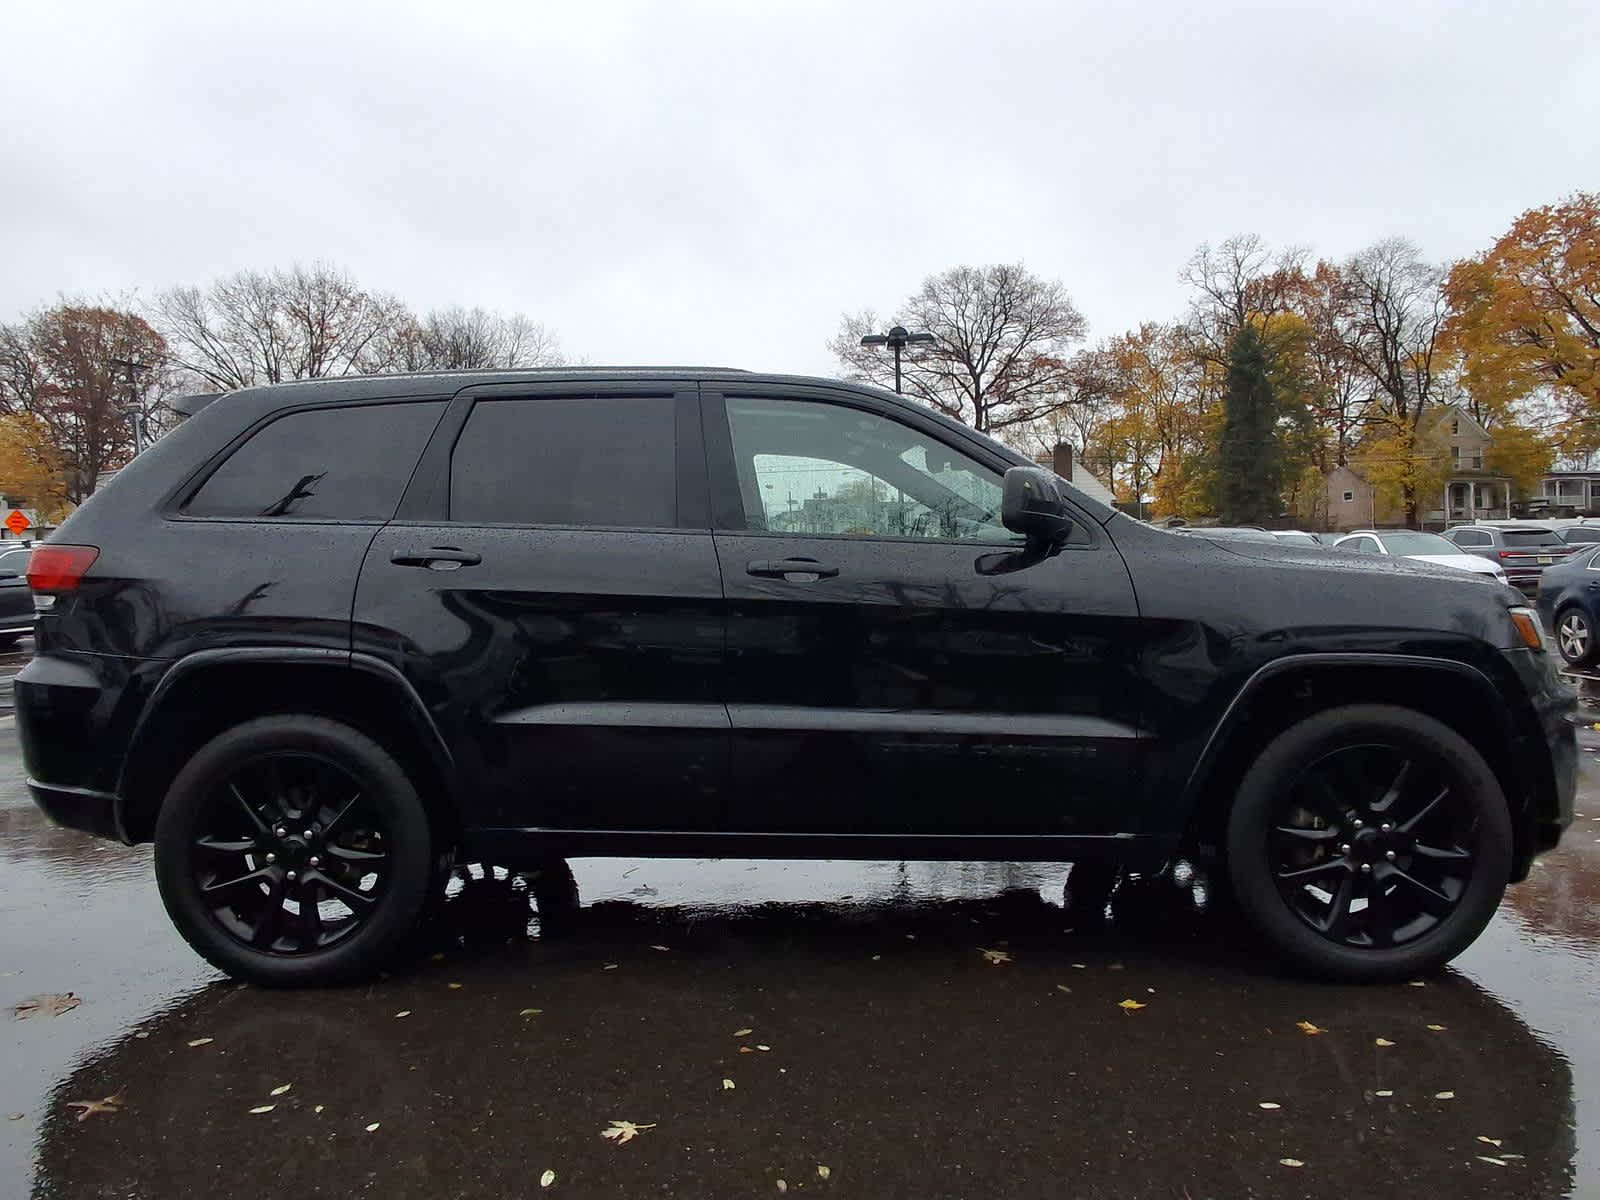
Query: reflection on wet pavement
{"points": [[897, 1055]]}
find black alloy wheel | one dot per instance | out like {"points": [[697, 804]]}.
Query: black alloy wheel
{"points": [[1574, 637], [1369, 842], [294, 851]]}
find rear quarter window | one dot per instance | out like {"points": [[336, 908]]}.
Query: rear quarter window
{"points": [[327, 464]]}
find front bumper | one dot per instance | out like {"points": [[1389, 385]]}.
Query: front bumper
{"points": [[93, 812]]}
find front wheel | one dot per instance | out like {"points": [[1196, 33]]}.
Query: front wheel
{"points": [[293, 851], [1369, 843]]}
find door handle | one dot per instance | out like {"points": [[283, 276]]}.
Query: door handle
{"points": [[794, 570], [437, 558]]}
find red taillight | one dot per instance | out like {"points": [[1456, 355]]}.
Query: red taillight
{"points": [[1508, 553], [58, 568]]}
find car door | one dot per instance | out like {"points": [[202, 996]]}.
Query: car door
{"points": [[895, 664], [551, 590]]}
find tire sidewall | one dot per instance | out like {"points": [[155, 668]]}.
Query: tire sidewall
{"points": [[381, 779], [1255, 808]]}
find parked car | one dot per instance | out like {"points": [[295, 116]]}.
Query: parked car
{"points": [[1581, 533], [1569, 605], [16, 601], [1423, 547], [1523, 548], [1298, 537], [326, 640], [1231, 533]]}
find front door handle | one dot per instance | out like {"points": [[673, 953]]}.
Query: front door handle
{"points": [[436, 558], [792, 570]]}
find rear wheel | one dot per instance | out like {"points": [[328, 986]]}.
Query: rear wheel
{"points": [[293, 851], [1575, 637], [1369, 843]]}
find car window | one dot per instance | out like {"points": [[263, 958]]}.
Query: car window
{"points": [[1531, 537], [1468, 537], [607, 461], [1297, 539], [14, 563], [331, 464], [808, 467], [1580, 534], [1358, 545], [1410, 541]]}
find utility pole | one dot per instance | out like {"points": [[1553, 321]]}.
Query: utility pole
{"points": [[897, 339], [131, 409]]}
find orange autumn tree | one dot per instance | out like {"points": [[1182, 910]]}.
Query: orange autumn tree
{"points": [[30, 468], [1525, 314]]}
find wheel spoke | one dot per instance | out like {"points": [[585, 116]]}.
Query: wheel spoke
{"points": [[1385, 802], [327, 830], [1454, 861], [255, 817], [214, 845], [349, 895], [1434, 903], [219, 892], [1301, 833], [1303, 874], [265, 931], [1338, 919], [350, 854], [310, 917], [1408, 826], [1381, 924]]}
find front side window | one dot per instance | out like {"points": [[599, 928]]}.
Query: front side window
{"points": [[325, 464], [814, 468], [608, 461]]}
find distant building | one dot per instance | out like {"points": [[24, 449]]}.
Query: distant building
{"points": [[1064, 463]]}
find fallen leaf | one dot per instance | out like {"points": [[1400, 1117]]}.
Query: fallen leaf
{"points": [[280, 1089], [1307, 1027], [1291, 1162], [1499, 1162], [609, 967], [743, 1032], [530, 1012], [317, 1109], [262, 1108], [624, 1131], [142, 1034], [202, 1042], [762, 1048], [373, 1128], [1130, 1005], [877, 958], [547, 1179], [1385, 1092], [1489, 1141], [1417, 983], [1437, 1028], [727, 1085], [658, 947], [746, 1050], [1444, 1095], [782, 1186], [1061, 987], [404, 1012], [454, 987], [110, 1104], [995, 956], [15, 1116], [1115, 967], [439, 957], [51, 1004], [1382, 1042], [1081, 966], [1268, 1105], [823, 1172]]}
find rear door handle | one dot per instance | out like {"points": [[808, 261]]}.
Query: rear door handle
{"points": [[436, 558], [793, 570]]}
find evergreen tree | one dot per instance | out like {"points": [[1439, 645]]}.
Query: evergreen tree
{"points": [[1250, 453]]}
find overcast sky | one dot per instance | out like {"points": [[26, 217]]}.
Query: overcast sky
{"points": [[717, 183]]}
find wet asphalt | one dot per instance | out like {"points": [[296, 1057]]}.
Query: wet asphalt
{"points": [[848, 1029]]}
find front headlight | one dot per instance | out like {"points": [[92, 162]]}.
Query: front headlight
{"points": [[1529, 630]]}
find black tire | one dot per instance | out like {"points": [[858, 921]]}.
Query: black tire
{"points": [[1298, 773], [1574, 636], [555, 897], [387, 836], [1089, 888]]}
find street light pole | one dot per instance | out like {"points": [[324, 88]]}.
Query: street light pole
{"points": [[897, 339], [132, 409]]}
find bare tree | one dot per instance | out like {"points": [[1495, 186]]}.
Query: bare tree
{"points": [[1001, 340], [1240, 280], [461, 339], [267, 327]]}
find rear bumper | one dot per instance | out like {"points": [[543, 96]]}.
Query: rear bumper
{"points": [[93, 812]]}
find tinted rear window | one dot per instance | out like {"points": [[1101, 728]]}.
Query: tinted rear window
{"points": [[593, 460], [1530, 537], [330, 464]]}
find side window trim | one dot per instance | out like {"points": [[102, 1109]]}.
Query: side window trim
{"points": [[727, 496]]}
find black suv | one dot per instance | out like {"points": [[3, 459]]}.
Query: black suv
{"points": [[327, 639]]}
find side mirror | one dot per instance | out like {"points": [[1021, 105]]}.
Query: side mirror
{"points": [[1033, 506]]}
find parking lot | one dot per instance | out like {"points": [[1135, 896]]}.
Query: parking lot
{"points": [[880, 1029]]}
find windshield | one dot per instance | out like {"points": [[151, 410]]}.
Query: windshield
{"points": [[1410, 542]]}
